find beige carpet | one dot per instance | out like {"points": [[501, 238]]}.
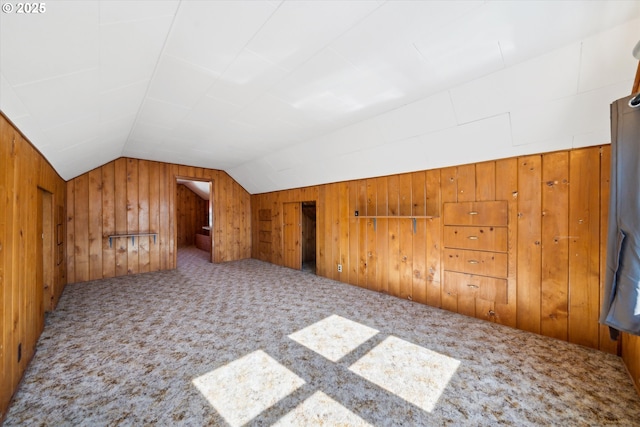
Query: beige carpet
{"points": [[249, 343]]}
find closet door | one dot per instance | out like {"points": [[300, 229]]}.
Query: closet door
{"points": [[292, 235]]}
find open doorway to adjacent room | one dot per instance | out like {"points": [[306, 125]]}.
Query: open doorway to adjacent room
{"points": [[194, 215], [299, 236]]}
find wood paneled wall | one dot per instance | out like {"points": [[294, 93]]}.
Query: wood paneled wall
{"points": [[192, 213], [557, 235], [24, 173], [128, 196], [631, 357]]}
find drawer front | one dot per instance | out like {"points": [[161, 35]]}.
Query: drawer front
{"points": [[264, 250], [476, 238], [264, 225], [475, 262], [264, 236], [484, 288], [264, 214], [476, 213]]}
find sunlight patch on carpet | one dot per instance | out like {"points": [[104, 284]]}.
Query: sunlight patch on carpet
{"points": [[333, 337], [416, 374], [320, 410], [244, 388]]}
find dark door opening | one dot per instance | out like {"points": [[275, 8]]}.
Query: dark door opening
{"points": [[309, 237]]}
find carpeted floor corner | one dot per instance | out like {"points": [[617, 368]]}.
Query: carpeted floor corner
{"points": [[250, 343]]}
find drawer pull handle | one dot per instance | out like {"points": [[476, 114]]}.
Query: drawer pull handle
{"points": [[473, 286], [473, 213], [473, 261], [472, 237]]}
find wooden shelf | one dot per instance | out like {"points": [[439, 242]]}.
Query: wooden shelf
{"points": [[396, 216], [414, 218]]}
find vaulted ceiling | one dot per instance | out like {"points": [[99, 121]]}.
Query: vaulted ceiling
{"points": [[282, 94]]}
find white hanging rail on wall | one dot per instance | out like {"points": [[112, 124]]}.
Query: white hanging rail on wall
{"points": [[133, 237]]}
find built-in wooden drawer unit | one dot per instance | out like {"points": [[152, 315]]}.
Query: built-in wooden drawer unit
{"points": [[265, 238], [476, 238], [476, 252], [471, 285], [476, 262], [476, 213]]}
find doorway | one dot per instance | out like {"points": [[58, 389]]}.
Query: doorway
{"points": [[309, 237], [194, 216], [299, 235]]}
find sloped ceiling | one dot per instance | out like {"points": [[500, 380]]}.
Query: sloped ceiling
{"points": [[282, 94], [201, 188]]}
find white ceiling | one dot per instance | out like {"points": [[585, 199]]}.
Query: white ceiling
{"points": [[282, 94]]}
